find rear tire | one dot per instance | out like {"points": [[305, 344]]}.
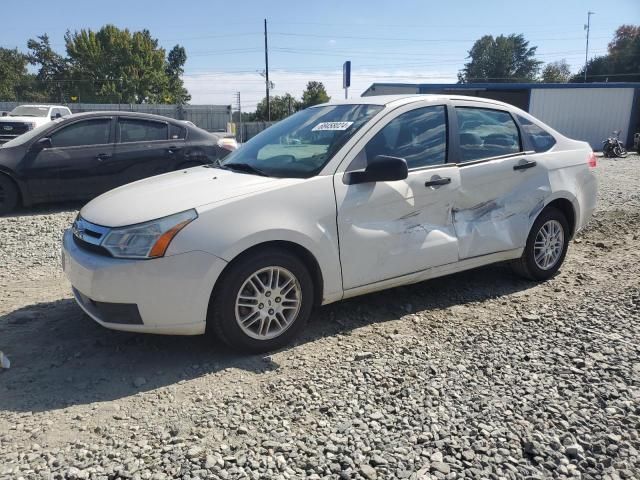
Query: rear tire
{"points": [[546, 246], [8, 195], [251, 308]]}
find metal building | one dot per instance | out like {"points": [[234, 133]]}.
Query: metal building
{"points": [[584, 111]]}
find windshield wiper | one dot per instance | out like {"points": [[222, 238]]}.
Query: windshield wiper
{"points": [[243, 167]]}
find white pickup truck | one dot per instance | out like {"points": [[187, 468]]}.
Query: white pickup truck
{"points": [[27, 117]]}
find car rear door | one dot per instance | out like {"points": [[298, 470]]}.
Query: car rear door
{"points": [[70, 168], [143, 149], [391, 229], [501, 185]]}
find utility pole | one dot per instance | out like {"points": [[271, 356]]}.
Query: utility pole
{"points": [[239, 134], [266, 69], [586, 53]]}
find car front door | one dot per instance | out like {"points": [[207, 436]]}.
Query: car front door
{"points": [[502, 185], [391, 229], [70, 167], [143, 149]]}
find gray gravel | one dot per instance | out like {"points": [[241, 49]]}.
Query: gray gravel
{"points": [[478, 375]]}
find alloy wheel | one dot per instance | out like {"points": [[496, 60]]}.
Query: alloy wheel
{"points": [[548, 245], [268, 303]]}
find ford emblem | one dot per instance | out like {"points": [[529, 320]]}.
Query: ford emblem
{"points": [[8, 128]]}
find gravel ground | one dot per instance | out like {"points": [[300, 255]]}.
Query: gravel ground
{"points": [[479, 375]]}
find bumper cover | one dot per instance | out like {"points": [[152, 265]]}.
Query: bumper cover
{"points": [[171, 293]]}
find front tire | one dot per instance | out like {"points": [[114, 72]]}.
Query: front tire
{"points": [[262, 301], [546, 246], [619, 151], [8, 195]]}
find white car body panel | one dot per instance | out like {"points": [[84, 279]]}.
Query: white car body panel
{"points": [[363, 237]]}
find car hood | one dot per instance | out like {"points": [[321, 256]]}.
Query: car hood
{"points": [[38, 120], [174, 192]]}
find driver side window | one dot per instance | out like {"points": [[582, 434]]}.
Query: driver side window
{"points": [[418, 136], [86, 132]]}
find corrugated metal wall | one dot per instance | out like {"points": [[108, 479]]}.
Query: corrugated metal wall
{"points": [[588, 114], [213, 118]]}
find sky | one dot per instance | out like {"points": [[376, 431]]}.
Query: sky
{"points": [[386, 41]]}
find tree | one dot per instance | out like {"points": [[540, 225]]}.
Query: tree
{"points": [[622, 61], [53, 73], [314, 94], [113, 65], [556, 72], [13, 72], [175, 68], [500, 59], [281, 107]]}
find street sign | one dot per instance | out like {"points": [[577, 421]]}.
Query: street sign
{"points": [[346, 77], [346, 74]]}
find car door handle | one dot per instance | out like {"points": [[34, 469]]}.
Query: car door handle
{"points": [[103, 156], [435, 182], [173, 149], [525, 165]]}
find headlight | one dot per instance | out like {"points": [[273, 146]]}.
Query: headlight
{"points": [[30, 125], [149, 239]]}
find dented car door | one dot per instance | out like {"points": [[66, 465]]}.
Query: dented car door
{"points": [[390, 229], [502, 186]]}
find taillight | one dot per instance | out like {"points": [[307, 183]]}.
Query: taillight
{"points": [[591, 160], [228, 143]]}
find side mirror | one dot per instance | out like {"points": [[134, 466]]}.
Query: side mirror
{"points": [[44, 142], [58, 115], [381, 168]]}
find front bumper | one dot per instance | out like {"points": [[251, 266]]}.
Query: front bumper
{"points": [[171, 293]]}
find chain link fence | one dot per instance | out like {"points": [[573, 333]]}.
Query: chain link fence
{"points": [[213, 118]]}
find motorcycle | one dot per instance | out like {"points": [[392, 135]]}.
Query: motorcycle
{"points": [[612, 147]]}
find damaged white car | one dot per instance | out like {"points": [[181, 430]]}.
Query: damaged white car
{"points": [[338, 200]]}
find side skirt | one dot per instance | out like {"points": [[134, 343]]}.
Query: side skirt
{"points": [[466, 264]]}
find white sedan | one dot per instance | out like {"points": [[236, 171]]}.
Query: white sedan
{"points": [[338, 200]]}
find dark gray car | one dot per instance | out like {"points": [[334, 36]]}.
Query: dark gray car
{"points": [[83, 155]]}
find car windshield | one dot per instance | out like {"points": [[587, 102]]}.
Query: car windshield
{"points": [[25, 137], [24, 111], [302, 144]]}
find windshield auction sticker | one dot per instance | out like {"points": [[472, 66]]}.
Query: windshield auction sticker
{"points": [[331, 126]]}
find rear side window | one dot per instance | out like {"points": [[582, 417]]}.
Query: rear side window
{"points": [[87, 132], [134, 130], [486, 133], [540, 139], [418, 136], [177, 132]]}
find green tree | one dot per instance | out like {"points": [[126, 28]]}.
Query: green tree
{"points": [[53, 72], [175, 68], [13, 74], [281, 107], [622, 61], [113, 65], [500, 59], [314, 94], [556, 72]]}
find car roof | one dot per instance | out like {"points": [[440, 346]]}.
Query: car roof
{"points": [[123, 113], [397, 100], [39, 106]]}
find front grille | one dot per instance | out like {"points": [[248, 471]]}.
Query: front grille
{"points": [[89, 236], [13, 128], [91, 247]]}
